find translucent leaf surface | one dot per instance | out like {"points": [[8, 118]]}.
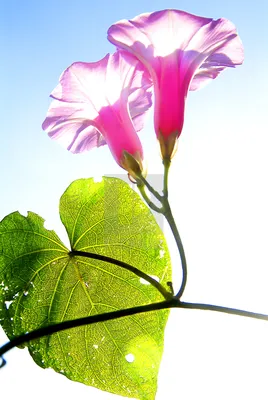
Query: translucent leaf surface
{"points": [[41, 284]]}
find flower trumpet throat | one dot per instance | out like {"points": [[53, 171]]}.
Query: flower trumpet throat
{"points": [[133, 164]]}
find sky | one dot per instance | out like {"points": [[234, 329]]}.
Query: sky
{"points": [[218, 188]]}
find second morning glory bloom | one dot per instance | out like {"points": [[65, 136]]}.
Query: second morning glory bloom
{"points": [[182, 52], [102, 102]]}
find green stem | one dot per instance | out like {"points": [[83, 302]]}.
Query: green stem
{"points": [[151, 189], [147, 200], [167, 295], [166, 211], [61, 326], [166, 163], [170, 219], [222, 309], [171, 303]]}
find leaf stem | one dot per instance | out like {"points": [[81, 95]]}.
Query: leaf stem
{"points": [[166, 294], [174, 302]]}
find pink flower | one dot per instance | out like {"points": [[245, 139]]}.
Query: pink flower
{"points": [[182, 52], [102, 102]]}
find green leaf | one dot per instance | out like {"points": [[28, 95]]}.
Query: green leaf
{"points": [[40, 284]]}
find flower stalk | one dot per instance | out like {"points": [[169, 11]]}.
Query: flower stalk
{"points": [[165, 210]]}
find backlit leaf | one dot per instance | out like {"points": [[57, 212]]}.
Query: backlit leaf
{"points": [[40, 284]]}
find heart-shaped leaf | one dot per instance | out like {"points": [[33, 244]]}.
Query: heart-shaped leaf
{"points": [[41, 283]]}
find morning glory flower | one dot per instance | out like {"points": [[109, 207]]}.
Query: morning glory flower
{"points": [[182, 52], [99, 103]]}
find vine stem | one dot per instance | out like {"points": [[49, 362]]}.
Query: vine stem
{"points": [[165, 210], [144, 182], [147, 200], [174, 302], [170, 219]]}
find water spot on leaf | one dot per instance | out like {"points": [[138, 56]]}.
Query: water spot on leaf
{"points": [[130, 358], [95, 346]]}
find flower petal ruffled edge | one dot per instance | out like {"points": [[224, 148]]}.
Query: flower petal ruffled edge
{"points": [[64, 124]]}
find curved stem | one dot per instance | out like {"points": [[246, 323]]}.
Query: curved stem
{"points": [[166, 211], [167, 295], [58, 327], [147, 200], [171, 303], [151, 189], [170, 219]]}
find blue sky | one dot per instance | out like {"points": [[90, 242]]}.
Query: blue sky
{"points": [[219, 190]]}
